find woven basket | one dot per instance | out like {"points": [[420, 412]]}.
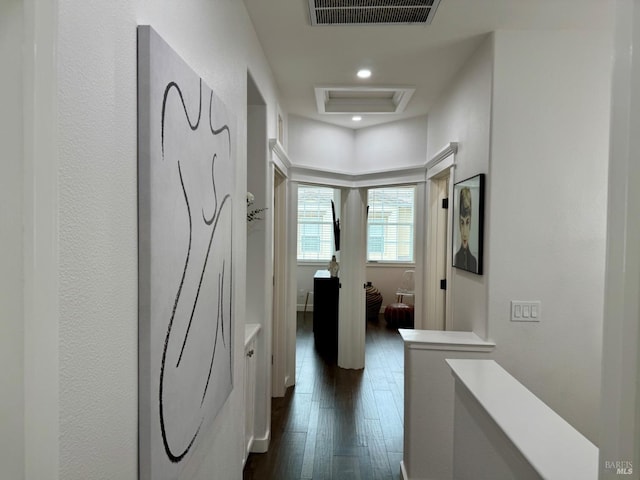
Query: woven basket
{"points": [[374, 302]]}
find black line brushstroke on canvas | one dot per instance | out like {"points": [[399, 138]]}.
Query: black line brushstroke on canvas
{"points": [[204, 266], [219, 319], [225, 204], [230, 309], [193, 127], [170, 454], [216, 216], [209, 221], [221, 129]]}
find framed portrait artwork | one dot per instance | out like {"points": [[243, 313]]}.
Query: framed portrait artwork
{"points": [[468, 224]]}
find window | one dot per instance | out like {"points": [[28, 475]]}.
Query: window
{"points": [[390, 222], [315, 223]]}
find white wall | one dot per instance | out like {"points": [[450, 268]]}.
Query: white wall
{"points": [[256, 184], [391, 145], [259, 264], [543, 143], [546, 230], [304, 276], [320, 145], [620, 409], [385, 278], [95, 47], [11, 265], [463, 115], [384, 147], [41, 241]]}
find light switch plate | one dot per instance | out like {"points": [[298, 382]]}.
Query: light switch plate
{"points": [[525, 311]]}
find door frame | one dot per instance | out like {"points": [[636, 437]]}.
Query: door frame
{"points": [[441, 166], [438, 231], [283, 355]]}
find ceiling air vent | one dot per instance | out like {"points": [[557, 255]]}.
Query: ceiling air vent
{"points": [[372, 12]]}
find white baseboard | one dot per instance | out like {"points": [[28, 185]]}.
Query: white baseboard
{"points": [[300, 307], [288, 382], [403, 471], [247, 450], [405, 475], [261, 445]]}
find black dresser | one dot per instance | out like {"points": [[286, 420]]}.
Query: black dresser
{"points": [[326, 292]]}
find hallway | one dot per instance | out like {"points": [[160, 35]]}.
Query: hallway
{"points": [[337, 423]]}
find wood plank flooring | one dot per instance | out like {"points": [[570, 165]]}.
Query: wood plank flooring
{"points": [[336, 423]]}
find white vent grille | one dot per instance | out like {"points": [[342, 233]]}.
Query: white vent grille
{"points": [[372, 12]]}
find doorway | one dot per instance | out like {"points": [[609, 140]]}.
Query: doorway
{"points": [[282, 372], [438, 231], [258, 273], [437, 308]]}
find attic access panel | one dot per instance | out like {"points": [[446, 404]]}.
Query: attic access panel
{"points": [[372, 12]]}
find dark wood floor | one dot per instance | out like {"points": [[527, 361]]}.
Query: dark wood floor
{"points": [[337, 423]]}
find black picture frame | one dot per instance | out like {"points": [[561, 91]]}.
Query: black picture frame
{"points": [[468, 230]]}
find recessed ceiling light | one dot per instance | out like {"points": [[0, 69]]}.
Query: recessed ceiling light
{"points": [[356, 118], [364, 73]]}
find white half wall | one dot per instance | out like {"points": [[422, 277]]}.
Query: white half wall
{"points": [[547, 220]]}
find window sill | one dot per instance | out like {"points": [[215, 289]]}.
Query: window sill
{"points": [[407, 265], [325, 263], [313, 263]]}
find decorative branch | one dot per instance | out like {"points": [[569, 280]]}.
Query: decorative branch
{"points": [[255, 213], [336, 228]]}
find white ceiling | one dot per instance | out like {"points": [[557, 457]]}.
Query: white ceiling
{"points": [[422, 56]]}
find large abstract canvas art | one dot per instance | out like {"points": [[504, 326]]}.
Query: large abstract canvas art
{"points": [[185, 186]]}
